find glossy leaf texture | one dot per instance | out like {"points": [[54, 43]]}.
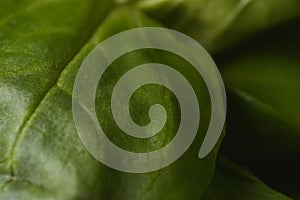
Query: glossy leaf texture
{"points": [[234, 182], [187, 178], [36, 45], [263, 96], [218, 24], [42, 45], [43, 157]]}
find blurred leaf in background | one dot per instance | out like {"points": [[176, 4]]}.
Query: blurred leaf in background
{"points": [[217, 24], [263, 79]]}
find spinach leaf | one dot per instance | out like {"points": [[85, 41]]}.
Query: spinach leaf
{"points": [[37, 40], [42, 45], [188, 177], [43, 156]]}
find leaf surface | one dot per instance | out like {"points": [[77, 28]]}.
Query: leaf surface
{"points": [[44, 158]]}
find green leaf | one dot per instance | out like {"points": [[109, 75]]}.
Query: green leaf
{"points": [[262, 79], [219, 24], [187, 178], [37, 40], [43, 47], [263, 84], [234, 182]]}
